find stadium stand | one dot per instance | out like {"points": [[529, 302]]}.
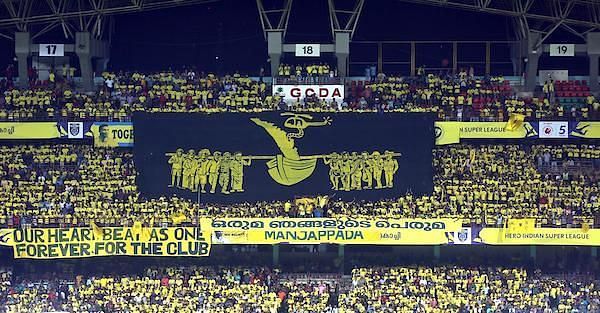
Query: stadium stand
{"points": [[454, 97], [265, 290], [75, 184], [456, 289], [241, 209]]}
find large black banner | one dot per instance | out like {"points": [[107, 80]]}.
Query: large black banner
{"points": [[232, 157]]}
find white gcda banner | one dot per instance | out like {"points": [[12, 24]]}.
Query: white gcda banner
{"points": [[293, 92], [554, 130]]}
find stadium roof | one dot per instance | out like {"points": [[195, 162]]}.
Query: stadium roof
{"points": [[74, 15], [545, 16]]}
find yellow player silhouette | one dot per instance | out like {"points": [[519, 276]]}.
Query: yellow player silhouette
{"points": [[346, 168], [202, 170], [390, 167], [237, 172], [224, 172], [377, 169], [356, 170], [176, 161], [189, 169], [333, 160], [367, 170], [214, 163]]}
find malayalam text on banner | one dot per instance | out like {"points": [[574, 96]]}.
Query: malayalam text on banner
{"points": [[330, 230]]}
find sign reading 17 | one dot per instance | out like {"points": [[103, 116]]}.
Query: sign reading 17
{"points": [[51, 49]]}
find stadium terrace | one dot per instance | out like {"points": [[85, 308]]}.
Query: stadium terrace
{"points": [[323, 156]]}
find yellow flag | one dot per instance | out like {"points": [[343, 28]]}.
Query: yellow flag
{"points": [[528, 224], [137, 227], [146, 233], [97, 230], [305, 201], [322, 201], [178, 218], [585, 227], [522, 225], [151, 222], [515, 121]]}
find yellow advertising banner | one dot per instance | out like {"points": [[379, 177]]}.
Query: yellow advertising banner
{"points": [[80, 242], [486, 130], [30, 130], [330, 230], [112, 134], [539, 236], [586, 130], [447, 133], [451, 132]]}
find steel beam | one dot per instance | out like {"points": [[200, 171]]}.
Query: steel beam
{"points": [[274, 19], [24, 13]]}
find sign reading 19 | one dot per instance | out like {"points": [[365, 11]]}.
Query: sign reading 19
{"points": [[562, 50]]}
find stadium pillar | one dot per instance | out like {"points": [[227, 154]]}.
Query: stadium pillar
{"points": [[594, 252], [533, 56], [341, 256], [22, 51], [533, 253], [488, 52], [342, 50], [102, 65], [413, 58], [275, 49], [84, 52], [86, 48], [436, 252], [593, 51], [379, 57], [454, 57], [275, 255], [516, 56]]}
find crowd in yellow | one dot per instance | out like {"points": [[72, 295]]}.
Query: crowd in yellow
{"points": [[299, 70], [454, 97], [429, 289], [456, 289], [461, 97], [160, 290], [75, 184]]}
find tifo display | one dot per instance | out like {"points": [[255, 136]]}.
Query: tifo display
{"points": [[272, 156]]}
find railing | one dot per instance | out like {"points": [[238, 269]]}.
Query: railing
{"points": [[308, 80], [571, 221]]}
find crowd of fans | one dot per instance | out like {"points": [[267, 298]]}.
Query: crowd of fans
{"points": [[75, 184], [320, 73], [164, 290], [456, 289], [191, 289], [464, 98], [459, 97]]}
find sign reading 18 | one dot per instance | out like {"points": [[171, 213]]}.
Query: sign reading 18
{"points": [[307, 49]]}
